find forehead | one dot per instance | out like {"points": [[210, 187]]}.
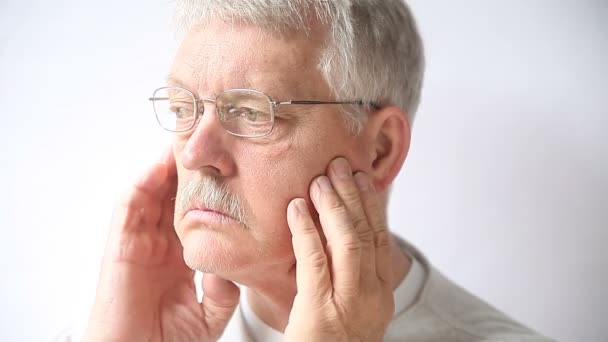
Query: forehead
{"points": [[221, 56]]}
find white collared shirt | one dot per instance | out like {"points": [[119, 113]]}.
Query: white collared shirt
{"points": [[405, 295]]}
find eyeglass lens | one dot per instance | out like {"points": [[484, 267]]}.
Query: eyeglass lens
{"points": [[242, 112]]}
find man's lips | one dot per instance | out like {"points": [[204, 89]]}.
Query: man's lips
{"points": [[203, 208], [207, 215]]}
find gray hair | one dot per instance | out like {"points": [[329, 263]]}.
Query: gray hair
{"points": [[373, 49], [210, 193]]}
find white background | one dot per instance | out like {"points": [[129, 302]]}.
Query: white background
{"points": [[505, 188]]}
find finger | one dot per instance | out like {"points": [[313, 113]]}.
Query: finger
{"points": [[168, 211], [343, 244], [155, 179], [377, 221], [142, 205], [152, 180], [219, 302], [342, 179], [168, 159], [168, 190], [312, 267]]}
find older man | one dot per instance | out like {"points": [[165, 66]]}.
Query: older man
{"points": [[291, 121]]}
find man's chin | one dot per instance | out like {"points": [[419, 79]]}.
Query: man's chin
{"points": [[213, 251]]}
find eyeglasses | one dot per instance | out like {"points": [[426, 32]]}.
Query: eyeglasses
{"points": [[242, 112]]}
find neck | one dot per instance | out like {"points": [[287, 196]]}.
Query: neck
{"points": [[272, 301]]}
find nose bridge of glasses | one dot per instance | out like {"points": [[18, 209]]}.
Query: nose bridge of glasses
{"points": [[202, 102], [209, 121]]}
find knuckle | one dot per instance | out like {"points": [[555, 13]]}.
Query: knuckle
{"points": [[359, 221], [307, 230], [366, 236], [350, 195], [335, 205], [315, 259], [349, 292], [352, 245], [382, 238]]}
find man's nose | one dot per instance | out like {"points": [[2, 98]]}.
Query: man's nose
{"points": [[209, 145]]}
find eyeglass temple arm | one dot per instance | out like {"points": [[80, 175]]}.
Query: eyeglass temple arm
{"points": [[306, 102], [299, 102]]}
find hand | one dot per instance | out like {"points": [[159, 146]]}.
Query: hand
{"points": [[146, 292], [344, 289]]}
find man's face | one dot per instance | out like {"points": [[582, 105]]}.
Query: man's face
{"points": [[264, 174]]}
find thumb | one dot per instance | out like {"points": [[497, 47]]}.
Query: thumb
{"points": [[219, 301]]}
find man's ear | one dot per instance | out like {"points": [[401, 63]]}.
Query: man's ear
{"points": [[389, 131]]}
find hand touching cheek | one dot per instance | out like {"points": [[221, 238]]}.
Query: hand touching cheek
{"points": [[344, 290]]}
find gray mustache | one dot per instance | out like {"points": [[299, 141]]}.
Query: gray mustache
{"points": [[210, 193]]}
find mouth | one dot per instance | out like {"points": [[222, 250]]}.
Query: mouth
{"points": [[206, 215]]}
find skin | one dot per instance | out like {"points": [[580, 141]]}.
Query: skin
{"points": [[346, 260], [345, 286]]}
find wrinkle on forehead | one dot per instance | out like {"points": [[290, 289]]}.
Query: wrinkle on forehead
{"points": [[218, 57]]}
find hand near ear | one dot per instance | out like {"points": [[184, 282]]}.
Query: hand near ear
{"points": [[344, 290], [146, 292]]}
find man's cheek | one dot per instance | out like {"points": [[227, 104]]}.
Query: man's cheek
{"points": [[280, 149]]}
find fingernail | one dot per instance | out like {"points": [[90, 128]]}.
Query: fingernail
{"points": [[292, 212], [324, 184], [341, 168], [301, 206], [362, 181]]}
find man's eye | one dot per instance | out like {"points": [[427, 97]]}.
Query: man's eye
{"points": [[181, 112], [250, 114], [241, 112]]}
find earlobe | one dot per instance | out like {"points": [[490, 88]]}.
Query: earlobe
{"points": [[391, 136]]}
